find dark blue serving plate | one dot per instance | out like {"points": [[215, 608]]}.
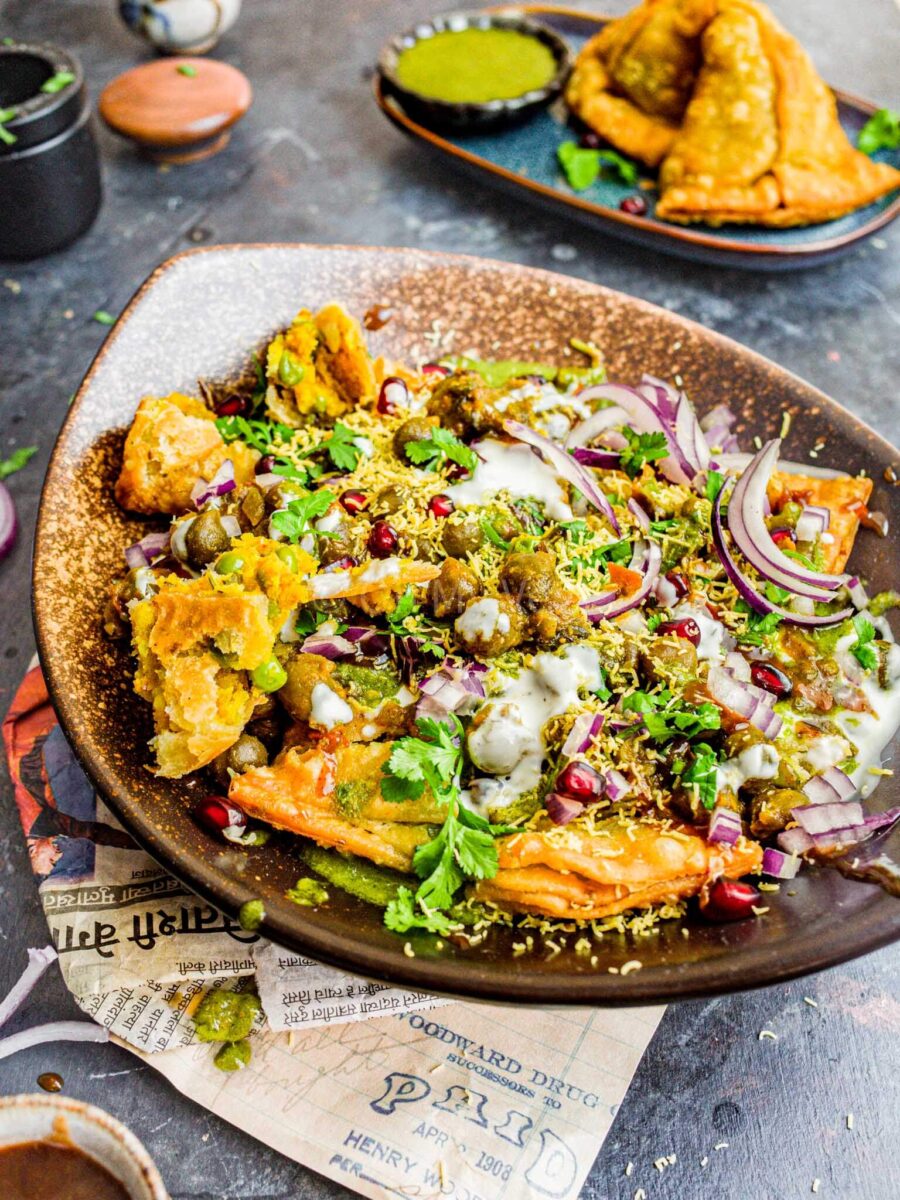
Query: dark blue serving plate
{"points": [[522, 160]]}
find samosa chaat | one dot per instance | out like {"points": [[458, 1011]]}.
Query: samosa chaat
{"points": [[547, 645]]}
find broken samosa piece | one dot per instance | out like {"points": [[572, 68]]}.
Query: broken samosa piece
{"points": [[844, 496], [332, 794], [621, 865]]}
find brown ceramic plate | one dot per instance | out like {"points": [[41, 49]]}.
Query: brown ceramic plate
{"points": [[199, 315]]}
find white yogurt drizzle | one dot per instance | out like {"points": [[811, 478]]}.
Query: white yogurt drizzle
{"points": [[515, 469]]}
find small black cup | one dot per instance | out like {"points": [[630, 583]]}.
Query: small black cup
{"points": [[49, 168]]}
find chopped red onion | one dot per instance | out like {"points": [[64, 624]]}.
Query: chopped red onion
{"points": [[222, 482], [812, 523], [331, 646], [616, 786], [142, 553], [825, 818], [9, 524], [454, 688], [778, 864], [562, 809], [831, 786], [644, 417], [647, 559], [590, 429], [369, 641], [746, 523], [754, 704], [795, 841], [55, 1031], [231, 525], [748, 589], [38, 962], [606, 460], [584, 729], [737, 666], [858, 594], [566, 466], [268, 479], [724, 826]]}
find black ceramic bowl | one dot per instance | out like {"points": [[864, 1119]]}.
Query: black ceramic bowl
{"points": [[49, 167], [444, 114]]}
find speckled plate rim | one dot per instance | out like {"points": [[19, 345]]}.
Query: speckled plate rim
{"points": [[744, 969], [637, 229]]}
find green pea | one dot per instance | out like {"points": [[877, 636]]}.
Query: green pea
{"points": [[229, 563], [288, 556], [233, 1056], [290, 371], [269, 676]]}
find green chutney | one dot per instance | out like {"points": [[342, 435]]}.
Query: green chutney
{"points": [[473, 66]]}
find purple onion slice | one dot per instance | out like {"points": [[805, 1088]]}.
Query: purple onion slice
{"points": [[222, 482]]}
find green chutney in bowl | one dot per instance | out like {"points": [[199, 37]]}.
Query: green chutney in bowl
{"points": [[473, 70]]}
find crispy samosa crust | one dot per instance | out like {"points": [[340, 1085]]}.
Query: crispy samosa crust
{"points": [[622, 866], [731, 107]]}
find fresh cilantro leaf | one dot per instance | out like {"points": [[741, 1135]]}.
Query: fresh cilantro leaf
{"points": [[654, 621], [401, 915], [618, 552], [758, 627], [405, 607], [663, 526], [582, 166], [864, 653], [492, 535], [256, 433], [432, 452], [16, 461], [396, 790], [880, 132], [341, 448], [702, 775], [776, 594], [642, 448], [309, 621], [602, 692], [672, 721], [715, 481], [296, 520], [639, 702]]}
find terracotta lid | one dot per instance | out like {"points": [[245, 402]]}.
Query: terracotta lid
{"points": [[177, 109]]}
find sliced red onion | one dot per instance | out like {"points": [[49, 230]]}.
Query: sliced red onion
{"points": [[640, 514], [812, 523], [825, 818], [839, 839], [590, 429], [566, 466], [605, 460], [368, 641], [747, 588], [746, 523], [38, 962], [858, 593], [724, 826], [9, 524], [644, 417], [795, 841], [737, 666], [720, 415], [584, 729], [778, 864], [222, 482], [647, 559], [616, 786], [55, 1031], [455, 688], [231, 525], [675, 408], [562, 809], [142, 553], [878, 822], [331, 646]]}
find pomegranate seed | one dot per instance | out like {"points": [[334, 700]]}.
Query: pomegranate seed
{"points": [[340, 564], [580, 781], [435, 369], [782, 535], [383, 540], [216, 814], [265, 464], [771, 679], [393, 396], [635, 206], [440, 505], [354, 502], [679, 582], [729, 900], [233, 406], [683, 627], [590, 140]]}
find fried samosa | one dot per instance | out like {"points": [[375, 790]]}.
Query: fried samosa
{"points": [[731, 109]]}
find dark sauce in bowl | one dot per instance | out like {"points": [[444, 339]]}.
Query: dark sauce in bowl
{"points": [[53, 1171]]}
